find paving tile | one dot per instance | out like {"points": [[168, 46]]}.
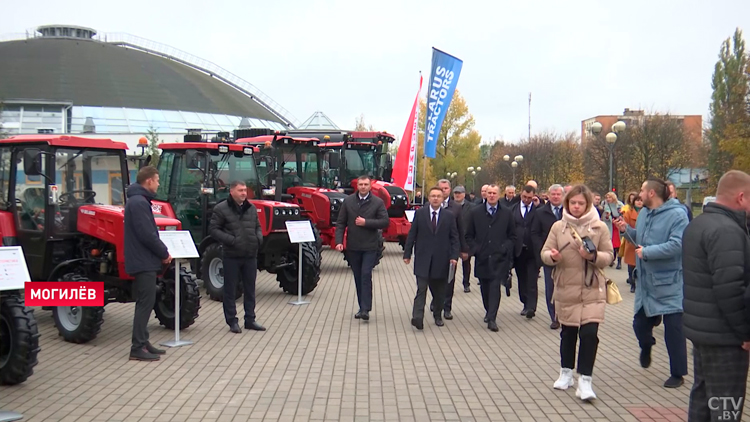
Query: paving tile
{"points": [[316, 362]]}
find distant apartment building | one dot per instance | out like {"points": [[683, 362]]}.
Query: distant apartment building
{"points": [[693, 124]]}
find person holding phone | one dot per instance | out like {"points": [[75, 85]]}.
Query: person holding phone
{"points": [[578, 247]]}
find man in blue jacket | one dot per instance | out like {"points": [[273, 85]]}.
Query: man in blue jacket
{"points": [[145, 255], [658, 237]]}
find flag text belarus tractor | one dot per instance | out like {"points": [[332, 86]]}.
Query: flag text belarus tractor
{"points": [[366, 153], [195, 175], [62, 201]]}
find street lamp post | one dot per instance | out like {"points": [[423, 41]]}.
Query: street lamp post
{"points": [[611, 139], [473, 172], [516, 161], [451, 176]]}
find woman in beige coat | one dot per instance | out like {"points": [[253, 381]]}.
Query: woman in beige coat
{"points": [[580, 294]]}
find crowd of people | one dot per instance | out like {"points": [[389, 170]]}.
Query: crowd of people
{"points": [[689, 275]]}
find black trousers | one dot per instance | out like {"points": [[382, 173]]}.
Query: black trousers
{"points": [[673, 336], [437, 289], [239, 270], [528, 273], [466, 265], [490, 288], [586, 354], [144, 292], [718, 392], [549, 289], [362, 263]]}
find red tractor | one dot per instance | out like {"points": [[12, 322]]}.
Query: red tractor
{"points": [[366, 153], [195, 175], [297, 170], [63, 202]]}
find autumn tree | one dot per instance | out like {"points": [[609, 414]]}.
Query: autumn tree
{"points": [[727, 135], [361, 126], [153, 146]]}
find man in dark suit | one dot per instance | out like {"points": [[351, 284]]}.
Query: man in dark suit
{"points": [[459, 197], [434, 238], [525, 262], [510, 197], [491, 236], [457, 210], [544, 218], [362, 216]]}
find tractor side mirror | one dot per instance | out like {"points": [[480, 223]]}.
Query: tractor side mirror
{"points": [[334, 161], [32, 162]]}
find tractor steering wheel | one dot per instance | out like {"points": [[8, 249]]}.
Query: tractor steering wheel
{"points": [[90, 195]]}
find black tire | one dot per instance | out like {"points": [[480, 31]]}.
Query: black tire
{"points": [[78, 324], [318, 239], [19, 340], [212, 273], [287, 277], [190, 300]]}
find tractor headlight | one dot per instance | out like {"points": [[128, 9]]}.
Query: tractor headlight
{"points": [[296, 211], [275, 212]]}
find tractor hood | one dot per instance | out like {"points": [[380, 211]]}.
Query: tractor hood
{"points": [[107, 222]]}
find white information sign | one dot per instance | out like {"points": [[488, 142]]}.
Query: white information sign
{"points": [[179, 243], [300, 231], [13, 270], [410, 215]]}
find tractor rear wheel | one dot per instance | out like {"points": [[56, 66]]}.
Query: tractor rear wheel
{"points": [[19, 340], [287, 277], [190, 300], [212, 273], [78, 324], [318, 239]]}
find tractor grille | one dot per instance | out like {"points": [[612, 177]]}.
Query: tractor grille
{"points": [[336, 199], [283, 214], [399, 201]]}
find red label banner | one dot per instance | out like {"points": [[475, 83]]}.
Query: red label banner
{"points": [[63, 293]]}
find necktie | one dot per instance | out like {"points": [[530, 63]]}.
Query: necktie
{"points": [[525, 210], [557, 213], [492, 211], [434, 220]]}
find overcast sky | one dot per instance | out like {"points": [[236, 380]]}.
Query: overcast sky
{"points": [[577, 58]]}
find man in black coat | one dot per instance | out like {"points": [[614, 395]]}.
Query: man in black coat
{"points": [[459, 198], [491, 236], [235, 224], [510, 197], [716, 275], [362, 216], [145, 255], [434, 238], [545, 216], [457, 209], [525, 260]]}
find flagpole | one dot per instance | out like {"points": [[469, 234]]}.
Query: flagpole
{"points": [[416, 156]]}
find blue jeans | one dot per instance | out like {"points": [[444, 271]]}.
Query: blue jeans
{"points": [[362, 263]]}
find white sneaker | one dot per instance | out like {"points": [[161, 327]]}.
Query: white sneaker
{"points": [[584, 390], [565, 380]]}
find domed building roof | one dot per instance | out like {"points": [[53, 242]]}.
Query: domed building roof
{"points": [[62, 67]]}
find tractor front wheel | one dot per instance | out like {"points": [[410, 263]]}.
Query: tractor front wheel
{"points": [[287, 277], [19, 340], [190, 300], [212, 273], [78, 324]]}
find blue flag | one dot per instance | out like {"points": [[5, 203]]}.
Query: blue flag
{"points": [[442, 84]]}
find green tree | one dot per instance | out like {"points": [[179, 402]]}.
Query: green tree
{"points": [[729, 108], [153, 145]]}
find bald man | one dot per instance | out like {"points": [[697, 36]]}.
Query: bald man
{"points": [[716, 275]]}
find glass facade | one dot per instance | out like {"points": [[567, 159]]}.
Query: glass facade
{"points": [[55, 118]]}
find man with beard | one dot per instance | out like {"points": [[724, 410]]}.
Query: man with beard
{"points": [[658, 237], [545, 217]]}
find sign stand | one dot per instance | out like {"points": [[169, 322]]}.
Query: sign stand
{"points": [[180, 245], [299, 232], [12, 277]]}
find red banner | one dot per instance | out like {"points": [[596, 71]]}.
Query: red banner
{"points": [[403, 169], [63, 293]]}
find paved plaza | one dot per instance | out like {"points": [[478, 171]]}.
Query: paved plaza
{"points": [[316, 362]]}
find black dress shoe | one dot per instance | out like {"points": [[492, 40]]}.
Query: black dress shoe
{"points": [[254, 326], [448, 315], [530, 314], [646, 357], [492, 325], [467, 289], [439, 322], [151, 349], [235, 328], [554, 326], [523, 313], [417, 323], [632, 288], [365, 316], [358, 315], [674, 382], [143, 355]]}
